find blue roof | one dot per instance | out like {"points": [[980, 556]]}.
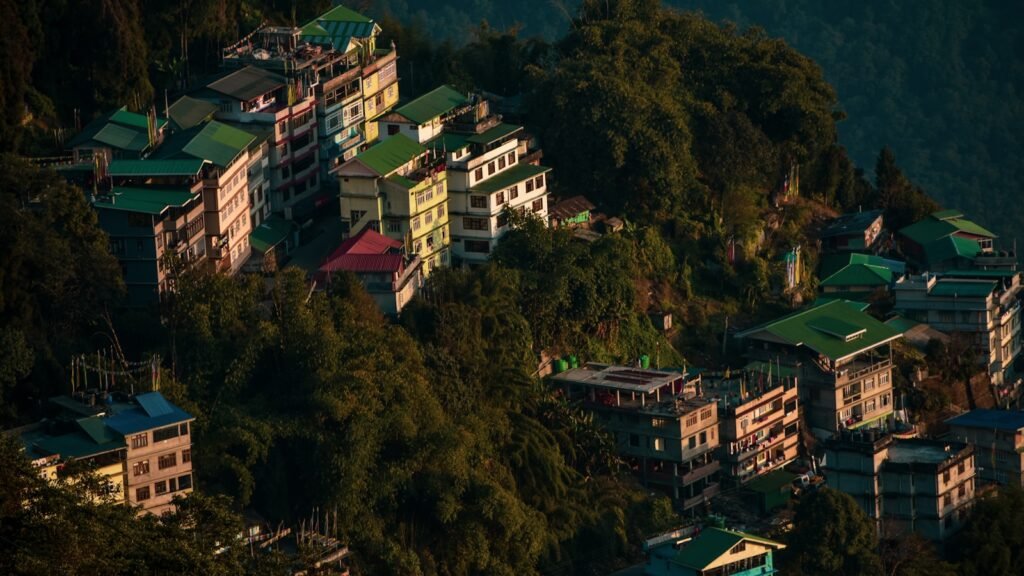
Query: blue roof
{"points": [[990, 419], [152, 411]]}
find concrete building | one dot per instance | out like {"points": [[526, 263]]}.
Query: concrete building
{"points": [[225, 187], [981, 305], [425, 118], [998, 440], [843, 360], [712, 552], [758, 415], [141, 444], [390, 276], [913, 485], [666, 433], [400, 189], [336, 57], [946, 240]]}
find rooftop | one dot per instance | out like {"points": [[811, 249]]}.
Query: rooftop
{"points": [[187, 112], [270, 233], [856, 222], [949, 248], [216, 142], [390, 155], [145, 412], [570, 207], [513, 175], [154, 201], [921, 451], [1007, 420], [832, 263], [338, 26], [860, 275], [120, 129], [942, 224], [963, 288], [712, 544], [833, 329], [438, 102], [248, 83], [494, 134], [168, 167], [620, 377]]}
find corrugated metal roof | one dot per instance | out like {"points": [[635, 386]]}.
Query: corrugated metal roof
{"points": [[187, 112], [136, 419], [145, 200], [989, 419], [853, 223], [860, 275], [338, 25], [154, 404], [170, 167], [437, 102], [963, 288], [270, 233], [387, 156], [506, 179], [367, 241], [364, 263], [712, 544], [219, 143], [248, 83], [117, 136], [494, 134], [570, 207]]}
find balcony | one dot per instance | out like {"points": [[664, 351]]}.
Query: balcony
{"points": [[857, 370], [701, 472], [706, 495]]}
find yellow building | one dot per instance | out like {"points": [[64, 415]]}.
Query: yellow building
{"points": [[400, 189]]}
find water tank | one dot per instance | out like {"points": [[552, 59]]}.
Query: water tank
{"points": [[561, 365], [645, 361], [573, 361]]}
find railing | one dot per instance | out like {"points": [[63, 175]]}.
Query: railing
{"points": [[702, 472]]}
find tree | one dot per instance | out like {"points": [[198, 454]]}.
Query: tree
{"points": [[832, 535], [992, 541]]}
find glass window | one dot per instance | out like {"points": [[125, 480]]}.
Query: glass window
{"points": [[142, 494], [478, 201], [160, 487]]}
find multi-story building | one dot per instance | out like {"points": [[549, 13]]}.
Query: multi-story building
{"points": [[400, 189], [286, 109], [119, 135], [843, 359], [854, 232], [426, 117], [225, 187], [712, 552], [140, 444], [758, 416], [144, 225], [666, 433], [946, 240], [998, 440], [380, 263], [913, 485], [336, 57], [981, 305]]}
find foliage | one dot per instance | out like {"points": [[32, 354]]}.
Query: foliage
{"points": [[992, 541], [832, 535]]}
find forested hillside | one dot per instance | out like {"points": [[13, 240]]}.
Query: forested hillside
{"points": [[938, 82]]}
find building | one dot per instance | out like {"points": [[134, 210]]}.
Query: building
{"points": [[424, 118], [399, 188], [981, 305], [711, 552], [843, 359], [857, 276], [225, 187], [946, 240], [856, 232], [666, 433], [257, 101], [571, 212], [758, 419], [119, 135], [141, 444], [144, 225], [913, 485], [336, 56], [390, 276], [998, 440]]}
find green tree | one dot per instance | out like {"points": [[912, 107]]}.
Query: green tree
{"points": [[992, 541], [832, 535]]}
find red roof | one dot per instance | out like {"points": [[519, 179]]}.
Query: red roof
{"points": [[367, 251], [367, 241]]}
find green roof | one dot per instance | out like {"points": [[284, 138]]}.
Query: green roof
{"points": [[402, 181], [496, 133], [946, 214], [170, 167], [437, 102], [941, 224], [187, 112], [832, 263], [270, 233], [219, 143], [145, 200], [950, 248], [448, 142], [860, 275], [980, 273], [901, 323], [834, 329], [123, 138], [342, 14], [389, 155], [712, 544], [506, 179], [772, 482], [97, 430], [970, 227], [966, 288]]}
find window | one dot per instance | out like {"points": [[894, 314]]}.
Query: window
{"points": [[499, 198], [428, 218], [502, 220], [393, 129], [416, 223], [167, 461], [165, 433], [529, 186], [142, 494], [184, 482], [501, 163], [183, 429], [945, 477], [634, 440], [511, 158], [490, 168], [961, 490], [394, 226], [357, 215], [478, 246], [478, 201], [478, 175], [961, 467], [703, 438], [659, 444], [160, 487], [140, 440], [513, 193], [947, 500], [538, 205], [691, 420], [539, 180], [440, 211], [693, 442], [186, 455], [140, 468], [475, 223], [739, 548]]}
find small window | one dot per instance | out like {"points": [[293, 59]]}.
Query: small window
{"points": [[490, 168], [167, 461], [478, 174], [529, 186], [501, 163], [499, 198], [165, 433], [142, 494], [394, 226], [440, 211], [184, 482], [140, 468], [140, 440], [186, 455], [183, 429], [393, 129], [511, 158], [659, 445], [160, 487], [634, 440], [478, 201], [539, 181]]}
